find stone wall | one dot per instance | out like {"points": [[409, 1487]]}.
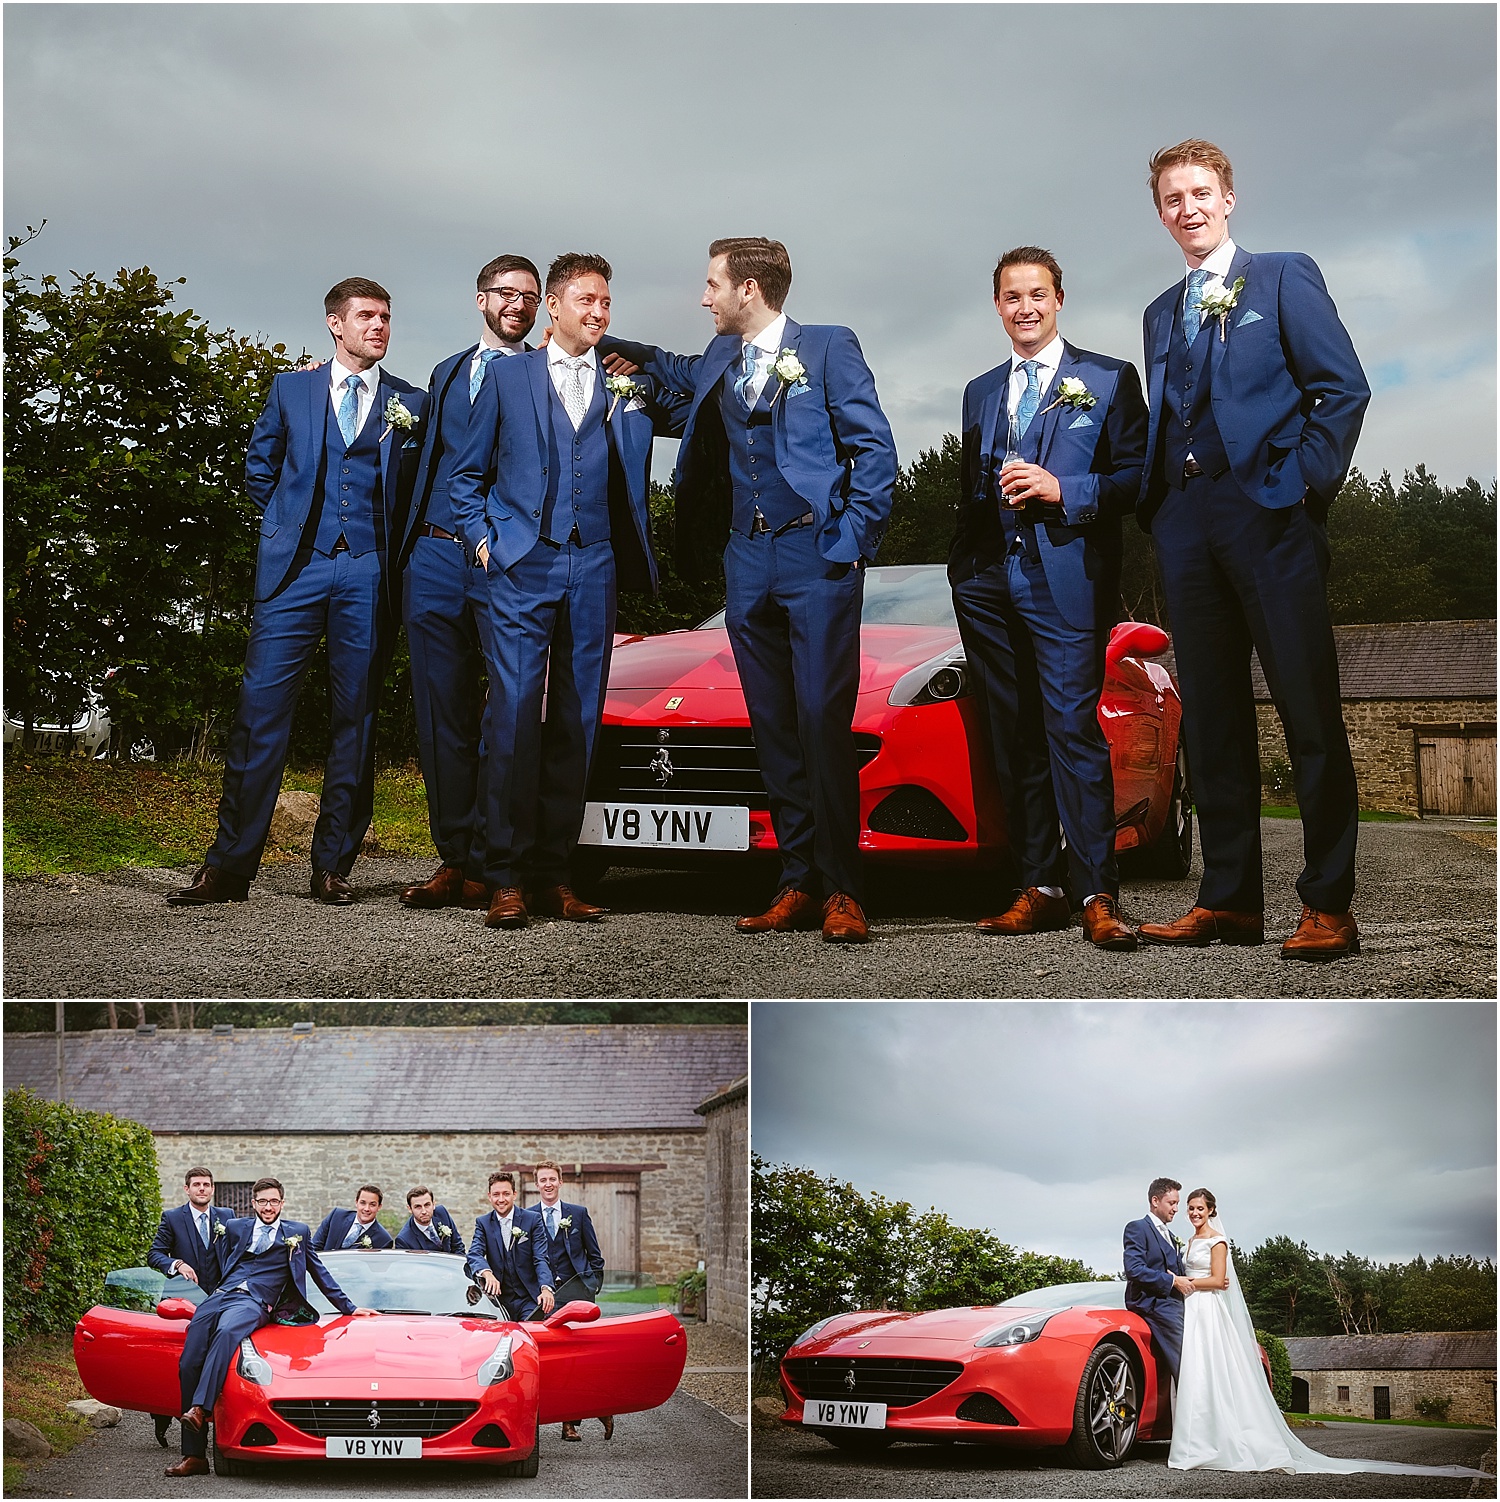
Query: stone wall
{"points": [[1472, 1394], [726, 1217], [1380, 742], [320, 1172]]}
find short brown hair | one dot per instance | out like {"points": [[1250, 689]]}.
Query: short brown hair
{"points": [[370, 1189], [500, 1175], [1207, 1196], [1193, 153], [1030, 255], [547, 1163], [500, 265], [260, 1184], [573, 264], [1160, 1187], [197, 1173], [341, 294], [753, 258], [416, 1194]]}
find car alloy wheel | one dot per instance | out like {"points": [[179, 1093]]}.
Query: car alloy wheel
{"points": [[1107, 1412]]}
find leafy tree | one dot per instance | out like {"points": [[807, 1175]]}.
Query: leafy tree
{"points": [[924, 511], [1379, 571], [1281, 1368], [1284, 1286], [1455, 531], [1449, 1293]]}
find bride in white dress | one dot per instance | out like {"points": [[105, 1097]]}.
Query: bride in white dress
{"points": [[1226, 1418]]}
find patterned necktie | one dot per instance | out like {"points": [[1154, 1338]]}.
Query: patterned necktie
{"points": [[354, 1232], [572, 390], [477, 379], [262, 1239], [1192, 315], [349, 409], [551, 1221], [431, 1229], [746, 376], [1031, 398], [203, 1226]]}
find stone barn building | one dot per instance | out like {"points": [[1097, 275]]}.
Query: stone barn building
{"points": [[726, 1211], [327, 1109], [1383, 1376]]}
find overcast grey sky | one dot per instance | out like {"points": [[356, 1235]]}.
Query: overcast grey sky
{"points": [[266, 151], [1363, 1126]]}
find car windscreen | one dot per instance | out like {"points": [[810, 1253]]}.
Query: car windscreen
{"points": [[143, 1288], [413, 1282], [1063, 1295], [914, 595]]}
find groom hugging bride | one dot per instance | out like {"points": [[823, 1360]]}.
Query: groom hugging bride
{"points": [[1225, 1416]]}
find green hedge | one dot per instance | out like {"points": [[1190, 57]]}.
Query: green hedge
{"points": [[82, 1197], [1281, 1368]]}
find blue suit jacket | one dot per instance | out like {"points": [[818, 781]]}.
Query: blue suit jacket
{"points": [[177, 1240], [1287, 389], [529, 1266], [329, 1237], [411, 1239], [498, 484], [285, 464], [1097, 458], [574, 1251], [833, 443], [1149, 1267], [302, 1259]]}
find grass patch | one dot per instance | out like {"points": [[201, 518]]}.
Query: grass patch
{"points": [[663, 1293], [1350, 1418], [1366, 815], [65, 814], [40, 1382]]}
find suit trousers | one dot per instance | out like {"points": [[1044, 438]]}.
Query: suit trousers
{"points": [[1039, 681], [1165, 1319], [793, 622], [552, 622], [214, 1334], [445, 603], [338, 596], [1237, 574]]}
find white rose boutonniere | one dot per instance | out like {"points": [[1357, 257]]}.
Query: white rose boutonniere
{"points": [[564, 1222], [365, 1242], [1218, 301], [618, 386], [789, 370], [397, 415], [294, 1239], [445, 1231], [517, 1237], [1071, 392], [219, 1228]]}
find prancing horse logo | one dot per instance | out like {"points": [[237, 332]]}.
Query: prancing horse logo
{"points": [[849, 1380], [661, 766], [373, 1417]]}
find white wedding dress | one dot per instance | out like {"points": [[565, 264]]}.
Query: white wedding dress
{"points": [[1226, 1418]]}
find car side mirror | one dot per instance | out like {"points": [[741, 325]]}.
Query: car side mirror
{"points": [[176, 1309], [1135, 639], [577, 1312]]}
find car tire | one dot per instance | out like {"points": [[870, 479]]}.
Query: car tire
{"points": [[527, 1467], [859, 1441], [227, 1465], [1106, 1412], [1170, 854]]}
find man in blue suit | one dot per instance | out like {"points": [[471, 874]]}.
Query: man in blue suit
{"points": [[187, 1244], [340, 1229], [1053, 451], [787, 458], [508, 1253], [265, 1267], [445, 599], [1257, 397], [1156, 1281], [325, 467], [549, 494], [429, 1227]]}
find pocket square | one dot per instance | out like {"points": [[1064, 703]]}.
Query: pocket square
{"points": [[801, 389], [1083, 420], [1251, 316], [635, 404], [412, 443]]}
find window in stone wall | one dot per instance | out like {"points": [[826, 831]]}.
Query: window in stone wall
{"points": [[1343, 1394], [234, 1196]]}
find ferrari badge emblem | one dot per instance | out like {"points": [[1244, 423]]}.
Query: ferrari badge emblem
{"points": [[675, 702], [863, 1344], [662, 768], [373, 1417], [849, 1380]]}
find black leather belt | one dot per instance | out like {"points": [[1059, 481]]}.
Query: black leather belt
{"points": [[428, 530], [341, 546], [760, 525], [1191, 469]]}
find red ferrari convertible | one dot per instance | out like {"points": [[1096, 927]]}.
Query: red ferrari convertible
{"points": [[676, 776], [442, 1374]]}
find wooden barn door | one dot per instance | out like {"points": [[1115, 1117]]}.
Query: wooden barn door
{"points": [[1456, 769], [614, 1203]]}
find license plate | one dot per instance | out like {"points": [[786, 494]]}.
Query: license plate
{"points": [[372, 1447], [827, 1415], [666, 826]]}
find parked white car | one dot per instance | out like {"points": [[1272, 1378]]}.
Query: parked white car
{"points": [[87, 736]]}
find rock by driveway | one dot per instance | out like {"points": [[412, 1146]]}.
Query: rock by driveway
{"points": [[1425, 906]]}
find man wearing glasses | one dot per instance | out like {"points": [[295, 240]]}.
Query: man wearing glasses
{"points": [[266, 1263], [444, 599]]}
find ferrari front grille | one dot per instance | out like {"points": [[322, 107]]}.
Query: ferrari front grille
{"points": [[897, 1382], [322, 1417]]}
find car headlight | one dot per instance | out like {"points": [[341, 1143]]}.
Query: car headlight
{"points": [[253, 1366], [812, 1330], [943, 677], [498, 1365], [1016, 1332]]}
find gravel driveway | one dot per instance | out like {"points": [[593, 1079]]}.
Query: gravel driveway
{"points": [[1425, 906]]}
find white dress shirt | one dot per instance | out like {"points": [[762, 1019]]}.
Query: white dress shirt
{"points": [[1048, 358], [1166, 1235], [558, 370], [488, 341], [767, 345], [369, 383]]}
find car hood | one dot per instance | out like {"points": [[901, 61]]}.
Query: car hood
{"points": [[396, 1345], [961, 1326]]}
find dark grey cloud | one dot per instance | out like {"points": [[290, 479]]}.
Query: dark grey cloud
{"points": [[265, 151], [1354, 1126]]}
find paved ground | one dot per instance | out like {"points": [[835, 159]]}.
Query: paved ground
{"points": [[1426, 910], [787, 1463]]}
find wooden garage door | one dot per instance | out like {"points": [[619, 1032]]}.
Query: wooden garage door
{"points": [[1456, 769], [613, 1202]]}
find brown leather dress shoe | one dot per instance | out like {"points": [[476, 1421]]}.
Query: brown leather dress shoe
{"points": [[570, 1432], [608, 1420], [330, 887], [790, 910], [1202, 925], [559, 902], [1322, 936], [507, 909], [196, 1416], [210, 884], [447, 888], [844, 921], [189, 1465], [1033, 912], [1104, 927]]}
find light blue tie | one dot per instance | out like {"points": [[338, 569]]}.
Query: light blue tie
{"points": [[354, 1232], [1031, 398], [477, 379], [203, 1226], [349, 409], [262, 1239], [551, 1222], [1192, 315], [747, 375]]}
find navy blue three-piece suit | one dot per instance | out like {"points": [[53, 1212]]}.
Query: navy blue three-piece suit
{"points": [[820, 449], [521, 1264], [413, 1238], [335, 1227], [1151, 1263], [1036, 593], [177, 1240], [573, 1250]]}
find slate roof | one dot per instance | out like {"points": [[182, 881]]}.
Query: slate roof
{"points": [[387, 1079], [1462, 1351]]}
